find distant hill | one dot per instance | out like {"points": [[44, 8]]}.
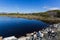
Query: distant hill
{"points": [[51, 16], [55, 13], [47, 13], [50, 13]]}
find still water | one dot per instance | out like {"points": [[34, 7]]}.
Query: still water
{"points": [[10, 26]]}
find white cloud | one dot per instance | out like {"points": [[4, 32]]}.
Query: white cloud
{"points": [[54, 8], [45, 7], [51, 8]]}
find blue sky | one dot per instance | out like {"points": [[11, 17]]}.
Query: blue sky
{"points": [[28, 6]]}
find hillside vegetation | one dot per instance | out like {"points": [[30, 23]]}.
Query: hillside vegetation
{"points": [[44, 16]]}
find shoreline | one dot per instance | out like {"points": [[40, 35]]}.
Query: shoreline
{"points": [[47, 20], [44, 32], [44, 19]]}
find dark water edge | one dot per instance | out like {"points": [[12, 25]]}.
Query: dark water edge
{"points": [[10, 26]]}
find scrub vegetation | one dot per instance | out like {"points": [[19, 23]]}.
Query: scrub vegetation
{"points": [[51, 16]]}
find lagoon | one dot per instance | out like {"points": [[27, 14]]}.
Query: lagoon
{"points": [[11, 26]]}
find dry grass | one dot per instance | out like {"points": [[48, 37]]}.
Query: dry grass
{"points": [[45, 19]]}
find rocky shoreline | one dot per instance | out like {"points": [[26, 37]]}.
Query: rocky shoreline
{"points": [[54, 28]]}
